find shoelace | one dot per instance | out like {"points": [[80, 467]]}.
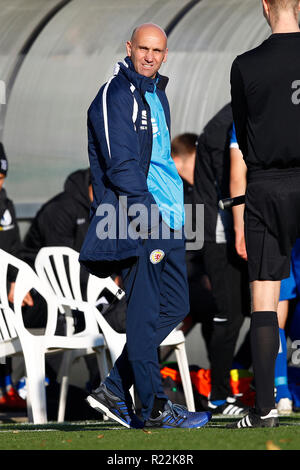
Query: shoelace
{"points": [[177, 411]]}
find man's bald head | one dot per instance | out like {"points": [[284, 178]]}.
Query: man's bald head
{"points": [[147, 49], [149, 26]]}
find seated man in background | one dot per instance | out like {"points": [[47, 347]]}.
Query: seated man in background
{"points": [[10, 242], [61, 221]]}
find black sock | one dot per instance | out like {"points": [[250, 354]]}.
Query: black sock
{"points": [[264, 337], [158, 407]]}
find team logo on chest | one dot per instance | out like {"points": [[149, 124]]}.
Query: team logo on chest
{"points": [[6, 218], [156, 256], [144, 120], [6, 221]]}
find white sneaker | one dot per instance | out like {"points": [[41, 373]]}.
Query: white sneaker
{"points": [[284, 406], [253, 420]]}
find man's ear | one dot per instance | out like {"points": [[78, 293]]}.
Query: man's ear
{"points": [[166, 55], [266, 9], [128, 48]]}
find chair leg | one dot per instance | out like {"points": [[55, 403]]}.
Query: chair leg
{"points": [[35, 370], [64, 373], [102, 362], [183, 365], [103, 367]]}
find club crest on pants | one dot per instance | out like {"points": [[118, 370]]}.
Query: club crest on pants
{"points": [[156, 256]]}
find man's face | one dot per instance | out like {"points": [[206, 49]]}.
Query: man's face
{"points": [[147, 50], [2, 178]]}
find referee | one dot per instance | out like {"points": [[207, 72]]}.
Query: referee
{"points": [[265, 90]]}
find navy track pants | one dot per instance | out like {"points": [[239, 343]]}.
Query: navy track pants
{"points": [[156, 290]]}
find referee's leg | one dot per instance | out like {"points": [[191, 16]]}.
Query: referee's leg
{"points": [[264, 337]]}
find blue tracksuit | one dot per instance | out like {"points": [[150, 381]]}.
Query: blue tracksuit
{"points": [[123, 120], [120, 147]]}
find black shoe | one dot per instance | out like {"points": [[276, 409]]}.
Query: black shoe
{"points": [[232, 407], [177, 416], [253, 420], [113, 407]]}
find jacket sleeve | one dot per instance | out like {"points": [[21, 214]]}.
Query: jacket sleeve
{"points": [[16, 239], [239, 106], [14, 242], [205, 191], [115, 133]]}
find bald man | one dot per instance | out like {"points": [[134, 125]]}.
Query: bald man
{"points": [[133, 174]]}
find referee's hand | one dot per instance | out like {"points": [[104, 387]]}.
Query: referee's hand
{"points": [[240, 244]]}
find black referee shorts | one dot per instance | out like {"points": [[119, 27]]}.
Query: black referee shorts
{"points": [[272, 222]]}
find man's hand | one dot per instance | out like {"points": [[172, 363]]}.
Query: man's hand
{"points": [[28, 300]]}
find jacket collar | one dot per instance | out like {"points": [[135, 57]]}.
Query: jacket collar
{"points": [[3, 194], [140, 82]]}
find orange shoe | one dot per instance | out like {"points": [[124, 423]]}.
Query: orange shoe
{"points": [[2, 402]]}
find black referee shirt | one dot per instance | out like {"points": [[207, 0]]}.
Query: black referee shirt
{"points": [[265, 91]]}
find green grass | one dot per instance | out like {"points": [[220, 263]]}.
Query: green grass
{"points": [[99, 435]]}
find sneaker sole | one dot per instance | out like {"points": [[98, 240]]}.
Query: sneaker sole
{"points": [[104, 410], [175, 427], [178, 427], [165, 426], [273, 424], [285, 412]]}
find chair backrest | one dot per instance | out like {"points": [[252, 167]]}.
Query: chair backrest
{"points": [[59, 268], [11, 318]]}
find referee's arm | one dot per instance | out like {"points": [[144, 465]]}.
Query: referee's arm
{"points": [[239, 105], [238, 183]]}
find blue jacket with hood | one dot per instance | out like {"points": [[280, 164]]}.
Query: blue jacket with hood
{"points": [[120, 146]]}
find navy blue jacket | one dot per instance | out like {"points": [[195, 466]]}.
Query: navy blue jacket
{"points": [[120, 147]]}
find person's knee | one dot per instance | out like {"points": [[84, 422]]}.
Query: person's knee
{"points": [[265, 295]]}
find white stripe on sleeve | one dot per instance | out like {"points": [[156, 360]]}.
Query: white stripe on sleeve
{"points": [[105, 115]]}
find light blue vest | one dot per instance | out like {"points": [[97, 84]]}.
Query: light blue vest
{"points": [[163, 180]]}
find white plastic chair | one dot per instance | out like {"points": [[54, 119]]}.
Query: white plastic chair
{"points": [[115, 341], [68, 290], [59, 268], [15, 338]]}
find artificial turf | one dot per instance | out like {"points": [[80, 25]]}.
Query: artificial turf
{"points": [[100, 435]]}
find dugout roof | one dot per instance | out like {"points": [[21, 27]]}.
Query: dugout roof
{"points": [[54, 56]]}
